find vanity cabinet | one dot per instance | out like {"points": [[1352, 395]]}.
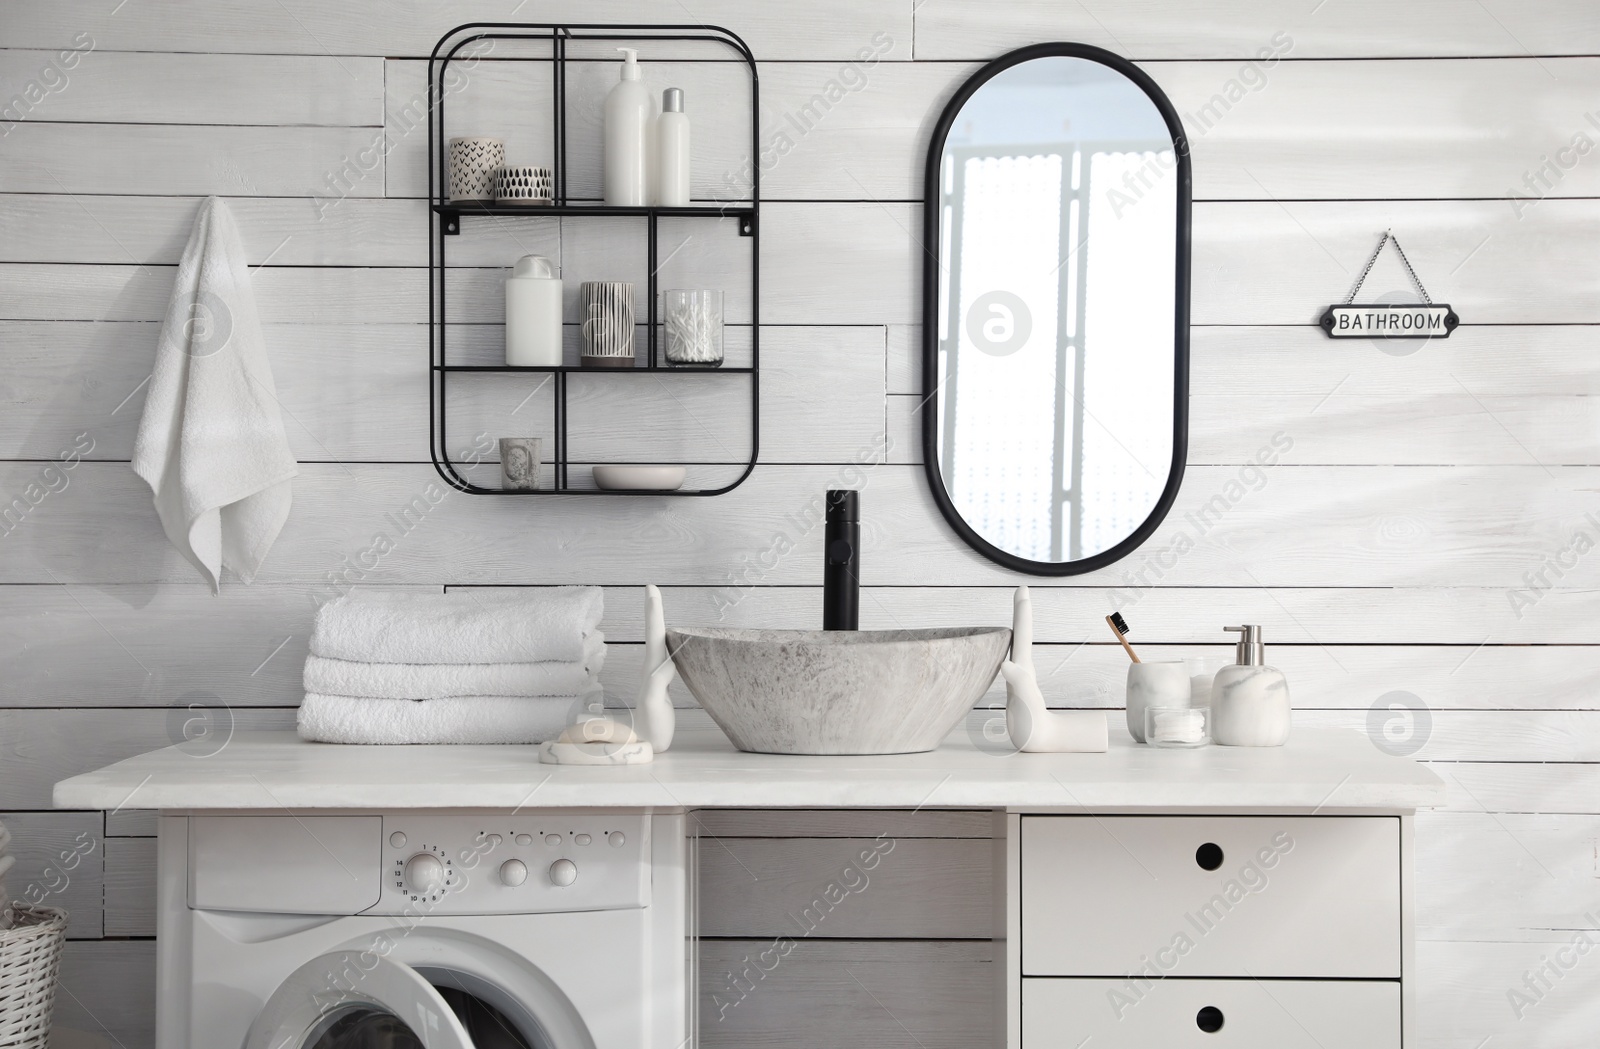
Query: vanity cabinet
{"points": [[1226, 930], [1223, 898]]}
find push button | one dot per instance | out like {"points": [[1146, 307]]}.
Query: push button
{"points": [[524, 839], [583, 839], [552, 839], [617, 839], [398, 840]]}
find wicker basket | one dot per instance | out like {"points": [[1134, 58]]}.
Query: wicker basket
{"points": [[30, 955]]}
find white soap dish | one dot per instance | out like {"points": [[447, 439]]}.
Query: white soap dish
{"points": [[639, 478], [558, 753], [597, 741]]}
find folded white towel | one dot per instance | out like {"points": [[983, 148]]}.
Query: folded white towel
{"points": [[211, 443], [456, 719], [343, 677], [523, 625]]}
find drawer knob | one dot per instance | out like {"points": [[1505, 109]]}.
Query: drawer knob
{"points": [[1209, 857], [1209, 1019]]}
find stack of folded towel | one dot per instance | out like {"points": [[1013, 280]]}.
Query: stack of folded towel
{"points": [[512, 666]]}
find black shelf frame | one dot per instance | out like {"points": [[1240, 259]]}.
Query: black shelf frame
{"points": [[570, 369], [446, 219]]}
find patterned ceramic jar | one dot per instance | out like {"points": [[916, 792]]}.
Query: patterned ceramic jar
{"points": [[607, 323], [525, 185], [474, 163]]}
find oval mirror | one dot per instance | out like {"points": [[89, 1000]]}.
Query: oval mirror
{"points": [[1055, 313]]}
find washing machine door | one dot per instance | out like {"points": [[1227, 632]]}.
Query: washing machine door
{"points": [[355, 1000]]}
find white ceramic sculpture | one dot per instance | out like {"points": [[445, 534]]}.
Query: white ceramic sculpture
{"points": [[653, 707], [1033, 726]]}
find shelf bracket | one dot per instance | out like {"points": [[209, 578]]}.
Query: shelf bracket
{"points": [[747, 225], [450, 224]]}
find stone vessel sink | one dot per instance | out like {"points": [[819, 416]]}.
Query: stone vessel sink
{"points": [[838, 691]]}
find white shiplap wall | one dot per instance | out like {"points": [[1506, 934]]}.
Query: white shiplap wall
{"points": [[1420, 492]]}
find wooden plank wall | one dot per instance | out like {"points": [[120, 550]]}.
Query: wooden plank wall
{"points": [[1417, 544]]}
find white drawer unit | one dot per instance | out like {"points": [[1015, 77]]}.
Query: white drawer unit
{"points": [[1210, 1014], [1203, 896]]}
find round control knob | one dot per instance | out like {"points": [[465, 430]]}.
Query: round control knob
{"points": [[513, 872], [563, 872], [424, 873]]}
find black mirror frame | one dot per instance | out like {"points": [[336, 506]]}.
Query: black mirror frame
{"points": [[930, 311]]}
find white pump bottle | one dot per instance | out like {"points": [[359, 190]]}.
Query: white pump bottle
{"points": [[627, 129]]}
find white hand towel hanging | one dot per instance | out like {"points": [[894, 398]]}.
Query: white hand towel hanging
{"points": [[211, 444]]}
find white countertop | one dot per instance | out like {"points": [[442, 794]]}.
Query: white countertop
{"points": [[1319, 770]]}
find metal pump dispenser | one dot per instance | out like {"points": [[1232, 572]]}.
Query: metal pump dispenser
{"points": [[841, 571], [1249, 652]]}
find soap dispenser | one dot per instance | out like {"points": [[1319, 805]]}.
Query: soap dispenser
{"points": [[627, 127], [1249, 700]]}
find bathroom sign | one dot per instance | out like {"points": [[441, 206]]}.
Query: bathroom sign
{"points": [[1398, 320], [1393, 321]]}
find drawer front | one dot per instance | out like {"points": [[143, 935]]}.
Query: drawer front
{"points": [[1175, 1014], [1229, 896]]}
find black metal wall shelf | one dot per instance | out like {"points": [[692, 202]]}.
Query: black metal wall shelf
{"points": [[452, 213], [445, 220], [569, 369]]}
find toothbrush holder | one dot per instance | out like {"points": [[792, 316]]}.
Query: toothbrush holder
{"points": [[1161, 684]]}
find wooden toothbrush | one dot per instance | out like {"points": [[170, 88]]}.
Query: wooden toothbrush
{"points": [[1119, 627]]}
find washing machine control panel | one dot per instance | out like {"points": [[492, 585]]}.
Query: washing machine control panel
{"points": [[455, 864]]}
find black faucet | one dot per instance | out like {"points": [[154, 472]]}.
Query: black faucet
{"points": [[841, 572]]}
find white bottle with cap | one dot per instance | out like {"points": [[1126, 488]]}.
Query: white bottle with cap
{"points": [[533, 314], [627, 134], [1250, 700], [672, 151]]}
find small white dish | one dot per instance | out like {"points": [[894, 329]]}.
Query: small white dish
{"points": [[639, 478], [557, 753]]}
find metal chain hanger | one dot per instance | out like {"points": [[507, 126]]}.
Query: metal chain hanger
{"points": [[1411, 320], [1388, 236]]}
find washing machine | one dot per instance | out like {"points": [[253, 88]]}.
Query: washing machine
{"points": [[405, 929]]}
